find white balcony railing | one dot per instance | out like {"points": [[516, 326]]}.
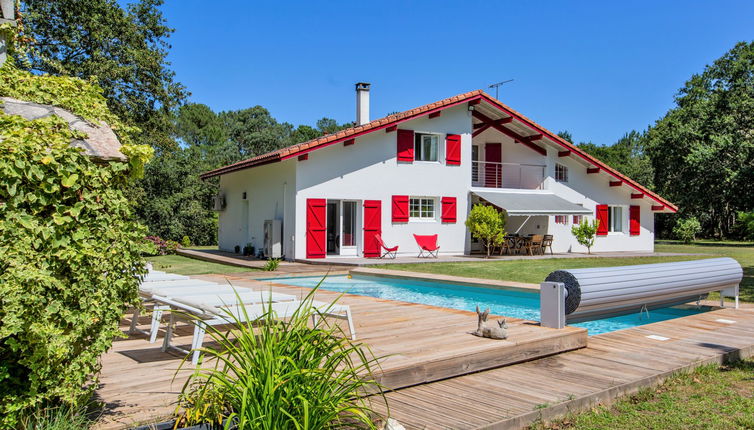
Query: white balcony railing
{"points": [[488, 174]]}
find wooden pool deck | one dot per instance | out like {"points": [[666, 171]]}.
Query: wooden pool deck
{"points": [[442, 368], [613, 364], [418, 343]]}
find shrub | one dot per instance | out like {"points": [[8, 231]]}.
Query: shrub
{"points": [[202, 402], [585, 233], [248, 249], [63, 417], [745, 225], [70, 250], [159, 246], [271, 265], [185, 242], [289, 375], [686, 229], [487, 224]]}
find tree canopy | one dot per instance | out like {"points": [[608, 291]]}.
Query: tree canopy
{"points": [[702, 150], [124, 48]]}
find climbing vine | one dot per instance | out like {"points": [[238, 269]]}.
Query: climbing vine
{"points": [[70, 248]]}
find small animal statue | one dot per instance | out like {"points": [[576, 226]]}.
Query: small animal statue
{"points": [[499, 332]]}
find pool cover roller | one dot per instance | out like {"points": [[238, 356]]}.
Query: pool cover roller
{"points": [[576, 295]]}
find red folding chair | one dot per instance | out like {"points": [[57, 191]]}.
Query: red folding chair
{"points": [[427, 245], [388, 252]]}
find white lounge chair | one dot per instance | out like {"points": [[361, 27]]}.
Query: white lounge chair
{"points": [[208, 293], [162, 276], [204, 315], [164, 281]]}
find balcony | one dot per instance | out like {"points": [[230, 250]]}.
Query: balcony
{"points": [[487, 174]]}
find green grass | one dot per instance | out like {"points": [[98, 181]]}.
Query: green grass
{"points": [[535, 271], [710, 397], [190, 266]]}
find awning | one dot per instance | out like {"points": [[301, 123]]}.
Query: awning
{"points": [[532, 204]]}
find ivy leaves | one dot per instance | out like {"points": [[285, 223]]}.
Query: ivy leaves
{"points": [[70, 251]]}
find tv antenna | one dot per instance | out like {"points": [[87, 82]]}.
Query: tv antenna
{"points": [[498, 85]]}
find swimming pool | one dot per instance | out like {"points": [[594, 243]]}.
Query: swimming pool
{"points": [[513, 303]]}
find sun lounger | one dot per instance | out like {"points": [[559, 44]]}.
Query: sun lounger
{"points": [[209, 293], [204, 315], [162, 276]]}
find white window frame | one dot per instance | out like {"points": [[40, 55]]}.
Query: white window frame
{"points": [[611, 219], [422, 216], [418, 152], [563, 176]]}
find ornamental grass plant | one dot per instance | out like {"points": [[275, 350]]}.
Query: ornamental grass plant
{"points": [[297, 373]]}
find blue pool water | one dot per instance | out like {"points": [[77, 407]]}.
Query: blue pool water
{"points": [[513, 303]]}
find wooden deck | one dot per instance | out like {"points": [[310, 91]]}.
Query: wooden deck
{"points": [[420, 344], [612, 365]]}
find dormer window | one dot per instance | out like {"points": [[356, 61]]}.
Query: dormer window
{"points": [[561, 173], [426, 147]]}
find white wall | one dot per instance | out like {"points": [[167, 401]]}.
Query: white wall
{"points": [[591, 190], [270, 191], [368, 170]]}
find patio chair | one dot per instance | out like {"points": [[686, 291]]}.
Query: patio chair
{"points": [[534, 244], [547, 243], [388, 252], [427, 245], [203, 315]]}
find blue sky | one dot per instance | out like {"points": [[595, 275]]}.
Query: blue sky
{"points": [[597, 69]]}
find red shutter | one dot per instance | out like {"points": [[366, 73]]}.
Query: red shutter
{"points": [[448, 214], [602, 219], [400, 208], [315, 228], [406, 146], [634, 220], [453, 149], [372, 227]]}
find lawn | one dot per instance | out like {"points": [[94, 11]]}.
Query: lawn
{"points": [[710, 397], [535, 271], [190, 266]]}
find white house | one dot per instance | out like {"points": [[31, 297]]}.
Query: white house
{"points": [[420, 171]]}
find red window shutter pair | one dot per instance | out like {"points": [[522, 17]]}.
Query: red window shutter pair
{"points": [[634, 227], [406, 146], [453, 149], [448, 214], [400, 208], [602, 218]]}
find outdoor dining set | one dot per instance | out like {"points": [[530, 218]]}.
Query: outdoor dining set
{"points": [[533, 244]]}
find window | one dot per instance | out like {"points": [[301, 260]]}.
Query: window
{"points": [[426, 147], [615, 219], [349, 223], [475, 163], [561, 173], [421, 208], [561, 219], [577, 219]]}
